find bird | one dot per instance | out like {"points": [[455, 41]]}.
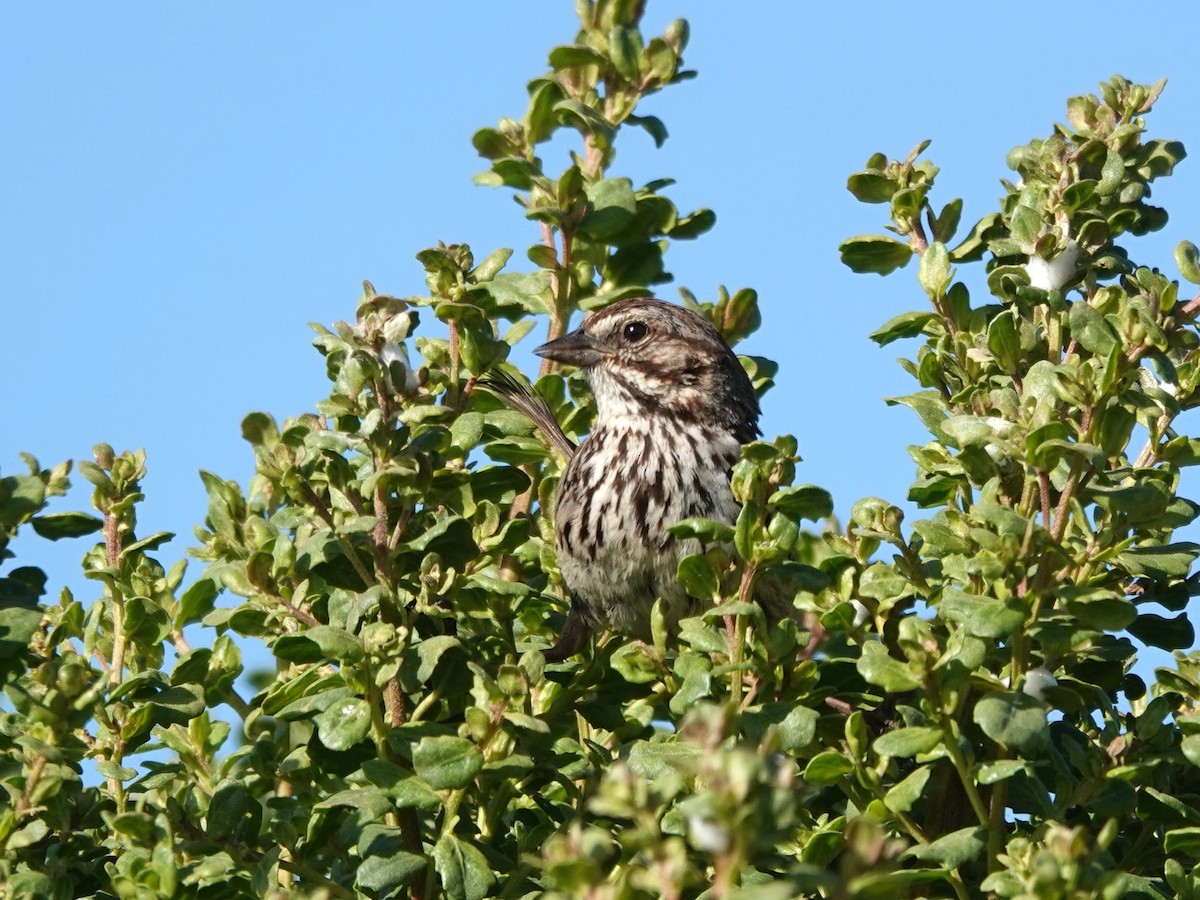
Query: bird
{"points": [[673, 409]]}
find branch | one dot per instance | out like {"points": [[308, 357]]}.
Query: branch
{"points": [[1190, 309], [112, 547], [558, 327], [1044, 488], [323, 511], [232, 697]]}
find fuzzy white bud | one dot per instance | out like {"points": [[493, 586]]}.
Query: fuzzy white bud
{"points": [[1052, 274], [1037, 681], [707, 835]]}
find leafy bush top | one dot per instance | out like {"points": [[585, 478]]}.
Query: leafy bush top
{"points": [[961, 717]]}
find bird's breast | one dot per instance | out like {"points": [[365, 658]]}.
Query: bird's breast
{"points": [[624, 487]]}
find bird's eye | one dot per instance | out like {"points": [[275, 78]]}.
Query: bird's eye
{"points": [[634, 331]]}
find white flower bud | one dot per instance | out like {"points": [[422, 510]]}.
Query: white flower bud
{"points": [[707, 835], [1037, 681], [1052, 274]]}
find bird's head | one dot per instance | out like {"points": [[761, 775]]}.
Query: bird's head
{"points": [[644, 357]]}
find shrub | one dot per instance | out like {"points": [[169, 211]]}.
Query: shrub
{"points": [[959, 716]]}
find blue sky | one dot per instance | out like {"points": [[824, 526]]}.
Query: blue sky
{"points": [[185, 186]]}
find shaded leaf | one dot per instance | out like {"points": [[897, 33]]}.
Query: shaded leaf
{"points": [[906, 742], [65, 525], [343, 723], [1017, 721], [954, 849], [446, 762], [464, 871], [870, 253]]}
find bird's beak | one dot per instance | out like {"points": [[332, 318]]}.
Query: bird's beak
{"points": [[575, 349]]}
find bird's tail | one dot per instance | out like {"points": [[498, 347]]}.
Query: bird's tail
{"points": [[523, 399]]}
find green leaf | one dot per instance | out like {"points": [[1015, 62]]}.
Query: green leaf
{"points": [[872, 186], [1183, 840], [1187, 260], [464, 871], [572, 55], [1184, 811], [652, 125], [585, 119], [1091, 329], [467, 430], [343, 723], [698, 578], [1160, 562], [795, 727], [904, 795], [260, 430], [451, 536], [696, 686], [153, 542], [907, 742], [1100, 609], [990, 773], [1017, 721], [975, 244], [1111, 174], [705, 530], [19, 621], [1167, 634], [178, 704], [303, 697], [946, 224], [874, 253], [655, 761], [370, 801], [109, 769], [700, 635], [692, 226], [446, 762], [197, 602], [492, 144], [65, 525], [941, 538], [521, 290], [430, 652], [905, 325], [803, 501], [233, 813], [401, 785], [983, 616], [934, 272], [636, 662], [1003, 340], [882, 670], [1191, 749], [826, 768], [491, 266], [928, 405], [611, 207], [968, 430], [747, 528], [625, 49], [954, 849], [386, 875], [319, 643]]}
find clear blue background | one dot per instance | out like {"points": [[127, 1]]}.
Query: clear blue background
{"points": [[185, 186]]}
